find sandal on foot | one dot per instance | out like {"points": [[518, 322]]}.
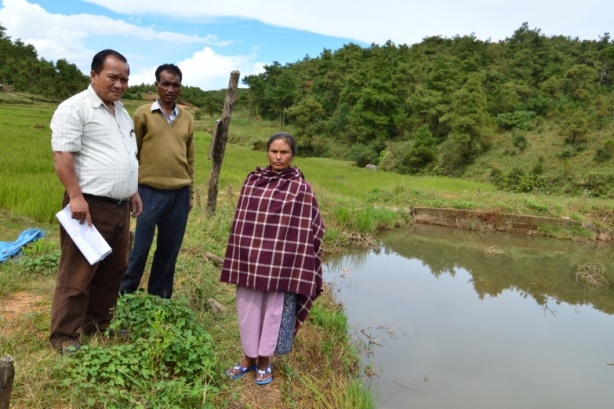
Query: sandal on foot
{"points": [[261, 374], [242, 370]]}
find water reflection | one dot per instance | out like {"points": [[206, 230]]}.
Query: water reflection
{"points": [[460, 329]]}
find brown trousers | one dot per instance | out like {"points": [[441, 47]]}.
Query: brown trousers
{"points": [[86, 295]]}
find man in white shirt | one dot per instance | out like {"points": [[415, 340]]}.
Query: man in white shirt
{"points": [[94, 152]]}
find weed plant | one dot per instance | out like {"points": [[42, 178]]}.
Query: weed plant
{"points": [[167, 363]]}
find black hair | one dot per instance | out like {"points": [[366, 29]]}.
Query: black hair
{"points": [[289, 139], [101, 56], [172, 68]]}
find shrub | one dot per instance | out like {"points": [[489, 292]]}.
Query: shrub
{"points": [[518, 119], [604, 153], [167, 363], [516, 180], [519, 141], [363, 154]]}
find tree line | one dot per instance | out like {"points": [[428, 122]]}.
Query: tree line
{"points": [[22, 70]]}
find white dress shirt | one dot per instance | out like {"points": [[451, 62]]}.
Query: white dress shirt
{"points": [[103, 145]]}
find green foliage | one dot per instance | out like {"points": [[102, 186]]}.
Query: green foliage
{"points": [[596, 184], [570, 151], [21, 70], [517, 180], [368, 220], [363, 154], [166, 363], [575, 126], [539, 167], [517, 119], [519, 141], [40, 257], [331, 320], [579, 82], [469, 124], [604, 153], [423, 151], [307, 117]]}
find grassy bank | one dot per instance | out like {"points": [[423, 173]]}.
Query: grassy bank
{"points": [[178, 351]]}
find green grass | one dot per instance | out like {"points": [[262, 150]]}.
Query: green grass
{"points": [[30, 187]]}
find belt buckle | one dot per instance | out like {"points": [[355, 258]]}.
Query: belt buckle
{"points": [[122, 201]]}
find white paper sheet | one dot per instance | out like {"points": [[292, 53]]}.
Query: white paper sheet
{"points": [[89, 240]]}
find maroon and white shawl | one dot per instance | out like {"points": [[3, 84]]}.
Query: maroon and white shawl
{"points": [[275, 240]]}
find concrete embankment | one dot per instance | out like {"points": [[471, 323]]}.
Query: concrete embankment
{"points": [[494, 221]]}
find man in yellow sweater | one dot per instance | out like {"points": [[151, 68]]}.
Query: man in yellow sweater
{"points": [[165, 142]]}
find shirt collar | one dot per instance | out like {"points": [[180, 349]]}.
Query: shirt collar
{"points": [[96, 101], [156, 105]]}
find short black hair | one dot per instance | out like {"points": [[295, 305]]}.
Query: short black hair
{"points": [[101, 56], [172, 68], [288, 138]]}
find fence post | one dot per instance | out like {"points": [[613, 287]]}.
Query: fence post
{"points": [[7, 374], [220, 136]]}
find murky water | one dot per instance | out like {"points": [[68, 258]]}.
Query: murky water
{"points": [[454, 323]]}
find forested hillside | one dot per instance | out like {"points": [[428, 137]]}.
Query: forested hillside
{"points": [[22, 70], [438, 106], [529, 113]]}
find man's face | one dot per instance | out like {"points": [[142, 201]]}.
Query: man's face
{"points": [[169, 87], [112, 81]]}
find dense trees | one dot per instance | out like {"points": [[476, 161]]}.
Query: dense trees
{"points": [[22, 70], [381, 98]]}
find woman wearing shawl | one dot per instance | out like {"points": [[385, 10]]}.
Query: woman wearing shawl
{"points": [[273, 257]]}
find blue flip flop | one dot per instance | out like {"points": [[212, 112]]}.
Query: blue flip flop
{"points": [[262, 373], [242, 370]]}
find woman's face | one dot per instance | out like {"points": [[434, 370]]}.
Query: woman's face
{"points": [[280, 155]]}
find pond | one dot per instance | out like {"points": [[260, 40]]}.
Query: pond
{"points": [[453, 319]]}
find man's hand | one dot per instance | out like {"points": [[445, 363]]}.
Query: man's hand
{"points": [[80, 210], [136, 205]]}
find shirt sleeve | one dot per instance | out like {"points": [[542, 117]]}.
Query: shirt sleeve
{"points": [[66, 129]]}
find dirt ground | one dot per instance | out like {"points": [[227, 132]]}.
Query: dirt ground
{"points": [[18, 304]]}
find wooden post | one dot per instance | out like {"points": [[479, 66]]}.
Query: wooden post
{"points": [[219, 142], [213, 135], [7, 374]]}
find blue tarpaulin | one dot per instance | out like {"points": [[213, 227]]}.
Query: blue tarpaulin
{"points": [[9, 249]]}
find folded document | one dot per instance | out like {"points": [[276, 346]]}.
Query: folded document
{"points": [[89, 240]]}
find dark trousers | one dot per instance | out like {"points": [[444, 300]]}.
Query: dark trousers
{"points": [[85, 295], [168, 211]]}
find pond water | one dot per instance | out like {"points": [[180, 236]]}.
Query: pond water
{"points": [[451, 319]]}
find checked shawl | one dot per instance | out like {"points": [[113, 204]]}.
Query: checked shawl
{"points": [[275, 240]]}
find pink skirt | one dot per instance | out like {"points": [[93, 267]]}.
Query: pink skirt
{"points": [[259, 314]]}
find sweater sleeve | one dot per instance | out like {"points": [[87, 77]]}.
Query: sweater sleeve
{"points": [[190, 153]]}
